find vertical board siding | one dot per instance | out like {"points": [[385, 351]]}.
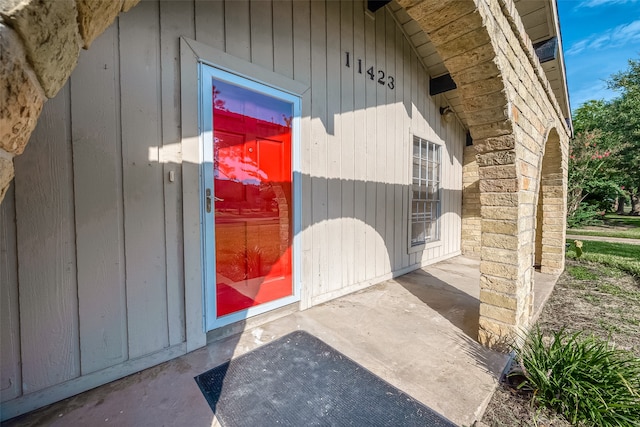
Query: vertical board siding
{"points": [[380, 145], [391, 140], [97, 172], [283, 38], [96, 175], [301, 14], [10, 374], [210, 23], [407, 150], [415, 129], [346, 145], [46, 251], [318, 151], [237, 27], [143, 180], [369, 143], [400, 136], [334, 172], [262, 33], [360, 149], [176, 20]]}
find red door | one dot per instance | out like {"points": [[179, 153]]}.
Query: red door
{"points": [[252, 189]]}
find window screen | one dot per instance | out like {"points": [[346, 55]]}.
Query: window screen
{"points": [[425, 192]]}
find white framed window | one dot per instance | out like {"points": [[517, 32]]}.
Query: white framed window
{"points": [[424, 224]]}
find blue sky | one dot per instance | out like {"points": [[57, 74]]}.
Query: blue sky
{"points": [[599, 37]]}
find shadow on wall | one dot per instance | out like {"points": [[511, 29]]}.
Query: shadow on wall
{"points": [[357, 231]]}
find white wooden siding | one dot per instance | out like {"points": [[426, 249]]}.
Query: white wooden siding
{"points": [[175, 21], [99, 228], [46, 250], [95, 248], [10, 372]]}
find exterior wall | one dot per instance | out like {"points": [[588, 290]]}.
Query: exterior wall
{"points": [[40, 43], [92, 236]]}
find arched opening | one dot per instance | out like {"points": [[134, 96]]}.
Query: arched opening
{"points": [[550, 210]]}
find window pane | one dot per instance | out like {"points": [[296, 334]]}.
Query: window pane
{"points": [[425, 192], [429, 232], [432, 192], [417, 233], [433, 151], [432, 172], [416, 148]]}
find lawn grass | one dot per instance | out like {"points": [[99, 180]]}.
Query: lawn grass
{"points": [[628, 227], [614, 219], [632, 233], [581, 273], [617, 255]]}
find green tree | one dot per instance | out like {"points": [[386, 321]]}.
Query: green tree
{"points": [[623, 125], [604, 158]]}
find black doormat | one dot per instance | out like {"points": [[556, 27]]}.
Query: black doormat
{"points": [[298, 380]]}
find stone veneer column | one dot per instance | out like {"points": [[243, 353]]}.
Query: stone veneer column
{"points": [[506, 256], [553, 206], [471, 222], [39, 46]]}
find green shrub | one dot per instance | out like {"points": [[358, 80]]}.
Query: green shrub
{"points": [[582, 377], [586, 214]]}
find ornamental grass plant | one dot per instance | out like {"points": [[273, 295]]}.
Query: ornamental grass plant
{"points": [[584, 378]]}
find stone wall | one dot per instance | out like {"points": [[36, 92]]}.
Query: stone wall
{"points": [[40, 41], [471, 221], [510, 110]]}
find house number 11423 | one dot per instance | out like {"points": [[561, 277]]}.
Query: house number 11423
{"points": [[376, 75]]}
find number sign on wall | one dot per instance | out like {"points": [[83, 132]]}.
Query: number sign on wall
{"points": [[371, 73]]}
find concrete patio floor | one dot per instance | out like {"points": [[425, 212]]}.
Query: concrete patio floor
{"points": [[418, 332]]}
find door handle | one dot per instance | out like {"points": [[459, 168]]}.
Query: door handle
{"points": [[208, 200]]}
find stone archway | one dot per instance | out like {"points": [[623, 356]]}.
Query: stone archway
{"points": [[509, 105], [551, 208]]}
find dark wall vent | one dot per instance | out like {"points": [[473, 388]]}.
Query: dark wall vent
{"points": [[441, 84], [374, 5], [547, 50]]}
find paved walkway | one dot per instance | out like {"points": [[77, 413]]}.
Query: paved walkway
{"points": [[603, 239], [417, 332]]}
